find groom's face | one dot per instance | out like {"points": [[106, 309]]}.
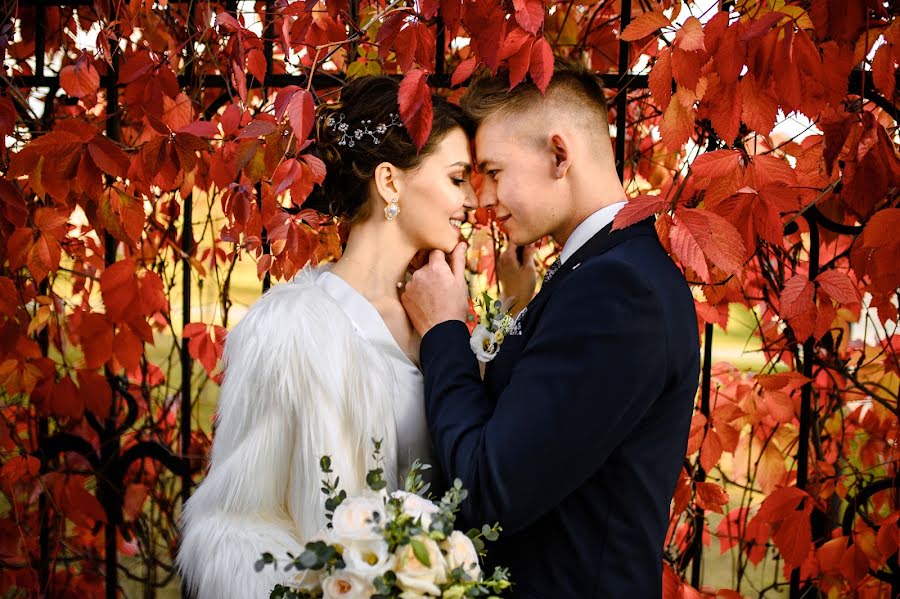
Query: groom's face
{"points": [[517, 184]]}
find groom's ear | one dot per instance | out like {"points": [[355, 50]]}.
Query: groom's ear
{"points": [[388, 181], [561, 150]]}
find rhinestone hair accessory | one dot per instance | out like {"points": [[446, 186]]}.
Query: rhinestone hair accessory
{"points": [[349, 139]]}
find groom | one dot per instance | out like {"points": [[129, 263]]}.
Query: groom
{"points": [[575, 439]]}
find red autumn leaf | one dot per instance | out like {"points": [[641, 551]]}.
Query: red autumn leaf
{"points": [[710, 451], [716, 237], [638, 209], [301, 113], [519, 62], [854, 564], [65, 401], [96, 334], [135, 497], [697, 433], [838, 286], [416, 109], [7, 115], [80, 79], [119, 288], [785, 381], [316, 166], [529, 14], [689, 36], [644, 25], [257, 128], [888, 536], [794, 537], [108, 157], [677, 124], [463, 71], [513, 41], [78, 504], [711, 496], [830, 554], [95, 390], [884, 70], [18, 467], [686, 67], [541, 66], [731, 55], [660, 80], [797, 297], [205, 343], [720, 163], [388, 32]]}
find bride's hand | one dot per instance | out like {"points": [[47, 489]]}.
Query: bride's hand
{"points": [[517, 278]]}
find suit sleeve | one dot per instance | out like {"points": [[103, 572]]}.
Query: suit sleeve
{"points": [[587, 375]]}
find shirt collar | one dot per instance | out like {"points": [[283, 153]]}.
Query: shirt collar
{"points": [[588, 228]]}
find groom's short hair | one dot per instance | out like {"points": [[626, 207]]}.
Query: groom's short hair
{"points": [[571, 87]]}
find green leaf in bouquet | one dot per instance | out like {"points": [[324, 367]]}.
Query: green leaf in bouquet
{"points": [[262, 562], [414, 481], [309, 560], [420, 552], [490, 533], [325, 464], [374, 479]]}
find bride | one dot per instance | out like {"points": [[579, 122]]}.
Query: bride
{"points": [[328, 362]]}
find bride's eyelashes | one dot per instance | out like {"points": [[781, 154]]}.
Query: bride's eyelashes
{"points": [[458, 181]]}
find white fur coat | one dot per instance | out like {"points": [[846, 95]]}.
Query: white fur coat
{"points": [[299, 383]]}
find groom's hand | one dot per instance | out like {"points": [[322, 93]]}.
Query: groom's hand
{"points": [[438, 292]]}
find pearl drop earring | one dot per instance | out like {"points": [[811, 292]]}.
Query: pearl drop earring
{"points": [[392, 209]]}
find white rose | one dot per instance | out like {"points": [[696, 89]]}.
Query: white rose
{"points": [[355, 518], [369, 559], [461, 554], [347, 585], [414, 576], [416, 506], [484, 344]]}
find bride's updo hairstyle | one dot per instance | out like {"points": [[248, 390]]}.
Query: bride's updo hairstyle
{"points": [[362, 130]]}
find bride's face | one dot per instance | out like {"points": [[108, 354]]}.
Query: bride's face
{"points": [[435, 196]]}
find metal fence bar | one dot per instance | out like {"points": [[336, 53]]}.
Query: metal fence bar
{"points": [[623, 84]]}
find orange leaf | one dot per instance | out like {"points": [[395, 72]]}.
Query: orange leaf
{"points": [[638, 209], [711, 496], [794, 537], [644, 25], [689, 36], [718, 238], [660, 80], [720, 163]]}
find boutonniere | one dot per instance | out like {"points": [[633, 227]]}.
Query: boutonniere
{"points": [[494, 324]]}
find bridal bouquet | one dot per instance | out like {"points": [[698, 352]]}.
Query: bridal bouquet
{"points": [[384, 546]]}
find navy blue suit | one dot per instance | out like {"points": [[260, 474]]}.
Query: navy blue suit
{"points": [[575, 439]]}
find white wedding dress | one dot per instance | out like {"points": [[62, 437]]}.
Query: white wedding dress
{"points": [[312, 369]]}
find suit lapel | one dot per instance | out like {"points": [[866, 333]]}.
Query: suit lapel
{"points": [[499, 370], [602, 242]]}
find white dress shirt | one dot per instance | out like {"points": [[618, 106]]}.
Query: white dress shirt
{"points": [[588, 228]]}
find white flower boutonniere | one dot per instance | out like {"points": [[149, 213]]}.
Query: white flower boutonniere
{"points": [[491, 330]]}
